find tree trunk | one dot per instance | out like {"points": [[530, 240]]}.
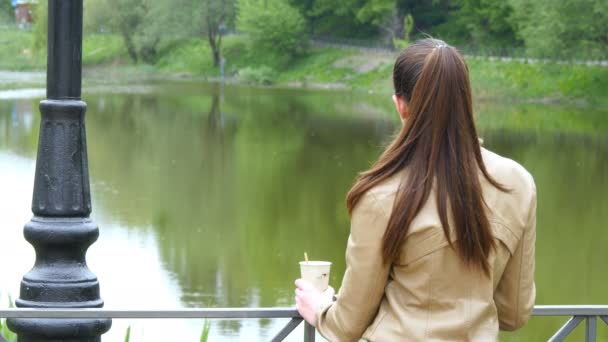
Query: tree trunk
{"points": [[130, 46], [215, 47]]}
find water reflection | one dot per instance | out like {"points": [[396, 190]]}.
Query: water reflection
{"points": [[209, 197], [17, 123]]}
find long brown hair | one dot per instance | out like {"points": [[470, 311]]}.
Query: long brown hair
{"points": [[438, 144]]}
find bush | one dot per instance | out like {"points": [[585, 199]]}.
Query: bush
{"points": [[262, 75], [102, 48], [273, 26], [191, 56]]}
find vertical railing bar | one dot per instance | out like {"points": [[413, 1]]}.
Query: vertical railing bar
{"points": [[309, 332], [287, 329], [590, 329], [566, 329]]}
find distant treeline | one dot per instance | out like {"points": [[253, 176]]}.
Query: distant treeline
{"points": [[539, 28]]}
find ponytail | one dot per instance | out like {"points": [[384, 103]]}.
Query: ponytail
{"points": [[438, 145]]}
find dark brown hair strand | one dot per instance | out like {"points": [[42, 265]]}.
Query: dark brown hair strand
{"points": [[438, 146]]}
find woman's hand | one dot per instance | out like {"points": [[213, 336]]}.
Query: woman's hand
{"points": [[309, 299]]}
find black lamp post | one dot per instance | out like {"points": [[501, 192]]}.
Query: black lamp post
{"points": [[61, 230]]}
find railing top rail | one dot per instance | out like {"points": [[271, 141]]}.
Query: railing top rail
{"points": [[239, 313], [570, 310], [226, 313]]}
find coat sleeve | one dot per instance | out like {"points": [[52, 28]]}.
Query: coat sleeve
{"points": [[516, 291], [365, 278]]}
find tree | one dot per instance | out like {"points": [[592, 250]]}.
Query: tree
{"points": [[336, 18], [125, 17], [481, 23], [389, 15], [6, 12], [215, 15], [383, 14], [147, 26], [562, 28], [188, 18], [272, 25]]}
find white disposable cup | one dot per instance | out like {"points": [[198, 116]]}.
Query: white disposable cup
{"points": [[316, 272]]}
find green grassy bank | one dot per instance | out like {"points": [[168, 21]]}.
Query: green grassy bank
{"points": [[323, 68], [17, 51]]}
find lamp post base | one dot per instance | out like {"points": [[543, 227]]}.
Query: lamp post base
{"points": [[60, 279], [59, 330]]}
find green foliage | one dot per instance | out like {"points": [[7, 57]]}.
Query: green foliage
{"points": [[192, 56], [319, 66], [139, 23], [562, 28], [40, 17], [206, 330], [263, 75], [277, 29], [125, 18], [408, 26], [376, 12], [183, 19], [539, 81], [540, 118], [149, 26], [97, 48], [273, 26], [235, 45], [428, 15], [334, 18], [23, 50], [128, 334], [369, 19], [102, 48], [4, 330], [6, 13], [480, 23], [6, 333], [270, 50], [16, 51]]}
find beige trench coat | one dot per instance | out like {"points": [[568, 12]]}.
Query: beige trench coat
{"points": [[429, 294]]}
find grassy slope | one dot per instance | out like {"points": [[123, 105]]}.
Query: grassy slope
{"points": [[16, 51], [570, 83], [330, 66]]}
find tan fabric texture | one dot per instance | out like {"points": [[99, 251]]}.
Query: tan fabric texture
{"points": [[429, 294]]}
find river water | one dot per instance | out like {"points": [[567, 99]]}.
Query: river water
{"points": [[207, 196]]}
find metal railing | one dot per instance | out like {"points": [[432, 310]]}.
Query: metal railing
{"points": [[577, 313], [219, 313]]}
